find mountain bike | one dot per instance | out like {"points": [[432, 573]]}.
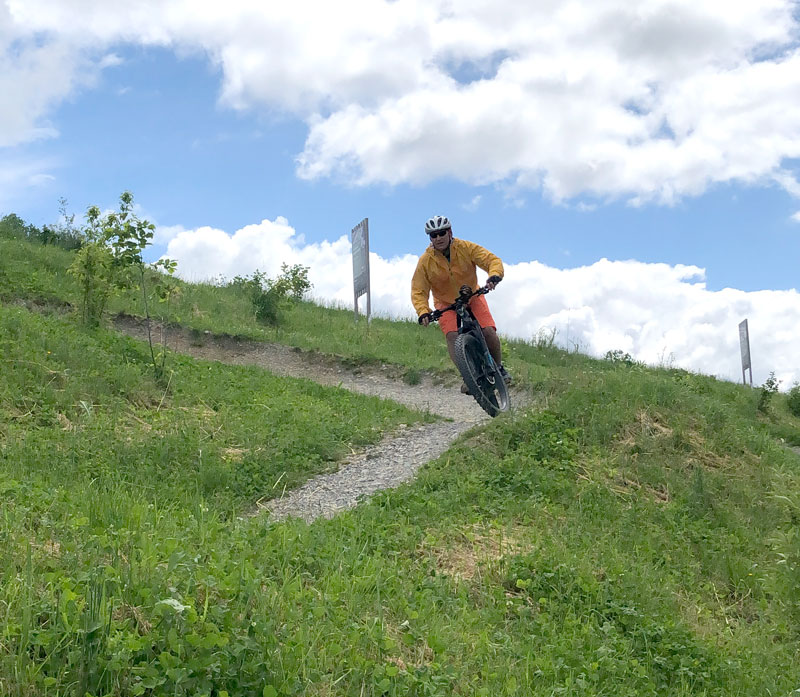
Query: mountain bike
{"points": [[480, 371]]}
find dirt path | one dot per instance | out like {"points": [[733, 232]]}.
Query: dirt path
{"points": [[391, 462]]}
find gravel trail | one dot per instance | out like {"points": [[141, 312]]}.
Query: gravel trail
{"points": [[388, 464], [383, 466]]}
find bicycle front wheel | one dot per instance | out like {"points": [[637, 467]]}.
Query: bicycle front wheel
{"points": [[483, 379]]}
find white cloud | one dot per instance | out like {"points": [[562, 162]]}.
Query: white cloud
{"points": [[474, 203], [796, 217], [163, 234], [110, 60], [37, 72], [646, 100], [653, 311], [20, 176]]}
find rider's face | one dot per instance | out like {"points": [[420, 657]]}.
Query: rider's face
{"points": [[442, 242]]}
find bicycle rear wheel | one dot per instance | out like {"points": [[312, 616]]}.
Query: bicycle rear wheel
{"points": [[483, 381]]}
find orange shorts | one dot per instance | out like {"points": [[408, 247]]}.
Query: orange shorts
{"points": [[480, 308]]}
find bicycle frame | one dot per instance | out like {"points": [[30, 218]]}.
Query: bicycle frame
{"points": [[467, 324]]}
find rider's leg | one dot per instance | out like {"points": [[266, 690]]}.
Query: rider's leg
{"points": [[451, 345], [492, 342]]}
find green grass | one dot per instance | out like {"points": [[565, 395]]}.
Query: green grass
{"points": [[35, 273], [514, 565], [638, 535], [80, 406]]}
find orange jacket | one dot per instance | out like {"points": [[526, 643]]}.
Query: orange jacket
{"points": [[445, 278]]}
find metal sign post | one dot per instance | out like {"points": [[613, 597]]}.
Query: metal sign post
{"points": [[744, 344], [360, 244]]}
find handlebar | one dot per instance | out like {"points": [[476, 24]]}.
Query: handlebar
{"points": [[463, 298]]}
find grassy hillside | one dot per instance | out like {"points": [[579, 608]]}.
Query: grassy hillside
{"points": [[37, 274], [637, 534]]}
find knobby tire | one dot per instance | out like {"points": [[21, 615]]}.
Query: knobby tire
{"points": [[492, 398]]}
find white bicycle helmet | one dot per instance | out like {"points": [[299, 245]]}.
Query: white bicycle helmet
{"points": [[438, 222]]}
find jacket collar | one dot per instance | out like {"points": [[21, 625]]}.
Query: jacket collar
{"points": [[433, 251]]}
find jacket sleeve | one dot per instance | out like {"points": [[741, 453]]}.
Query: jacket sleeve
{"points": [[420, 290], [486, 260]]}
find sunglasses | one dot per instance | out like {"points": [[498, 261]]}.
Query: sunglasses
{"points": [[441, 233]]}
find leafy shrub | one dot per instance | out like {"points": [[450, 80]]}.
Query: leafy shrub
{"points": [[793, 400], [292, 282], [769, 388], [619, 356], [92, 269], [270, 295], [267, 306], [111, 259], [12, 227]]}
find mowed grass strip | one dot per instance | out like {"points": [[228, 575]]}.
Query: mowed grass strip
{"points": [[79, 407], [38, 274], [35, 273]]}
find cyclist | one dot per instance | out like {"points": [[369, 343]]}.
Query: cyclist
{"points": [[446, 265]]}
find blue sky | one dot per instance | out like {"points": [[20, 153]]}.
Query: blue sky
{"points": [[154, 125], [664, 153]]}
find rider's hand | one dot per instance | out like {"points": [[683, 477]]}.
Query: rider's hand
{"points": [[492, 281], [425, 319]]}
